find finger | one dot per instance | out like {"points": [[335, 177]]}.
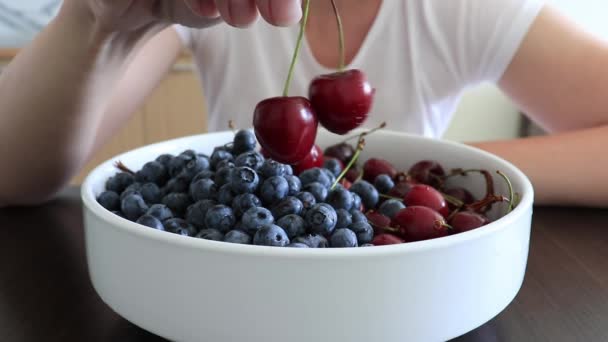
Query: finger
{"points": [[280, 12], [239, 13], [204, 8]]}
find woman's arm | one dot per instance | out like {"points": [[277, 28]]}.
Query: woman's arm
{"points": [[559, 77]]}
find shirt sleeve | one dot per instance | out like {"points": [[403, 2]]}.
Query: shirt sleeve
{"points": [[475, 40], [185, 35]]}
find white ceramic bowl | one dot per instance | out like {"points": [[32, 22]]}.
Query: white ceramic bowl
{"points": [[187, 289]]}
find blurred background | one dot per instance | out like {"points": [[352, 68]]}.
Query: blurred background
{"points": [[483, 114]]}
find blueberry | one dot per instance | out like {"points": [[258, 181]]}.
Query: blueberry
{"points": [[118, 213], [293, 225], [225, 195], [109, 200], [195, 214], [165, 159], [151, 193], [241, 203], [369, 195], [238, 236], [307, 199], [272, 168], [220, 217], [250, 159], [364, 232], [223, 175], [160, 211], [340, 198], [390, 207], [177, 164], [356, 201], [119, 182], [219, 155], [330, 175], [178, 202], [343, 238], [288, 170], [273, 189], [134, 188], [333, 165], [244, 141], [244, 179], [384, 183], [286, 206], [294, 183], [179, 226], [321, 219], [189, 153], [133, 206], [271, 235], [151, 221], [205, 174], [318, 190], [255, 218], [193, 167], [297, 245], [315, 175], [210, 234], [203, 189], [358, 216], [345, 218], [152, 172], [176, 185], [225, 163], [312, 240]]}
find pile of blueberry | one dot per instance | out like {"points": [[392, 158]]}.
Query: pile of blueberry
{"points": [[237, 196]]}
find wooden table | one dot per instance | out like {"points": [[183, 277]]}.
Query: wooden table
{"points": [[46, 295]]}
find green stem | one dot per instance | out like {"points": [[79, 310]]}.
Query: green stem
{"points": [[340, 36], [510, 186], [297, 51], [352, 161]]}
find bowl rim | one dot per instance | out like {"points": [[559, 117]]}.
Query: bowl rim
{"points": [[118, 223]]}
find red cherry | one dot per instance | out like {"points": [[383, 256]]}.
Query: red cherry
{"points": [[313, 159], [377, 220], [387, 239], [427, 172], [420, 223], [427, 196], [352, 175], [467, 220], [346, 183], [374, 167], [343, 152], [286, 128], [400, 189], [461, 194], [341, 100]]}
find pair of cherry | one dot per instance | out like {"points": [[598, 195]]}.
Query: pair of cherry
{"points": [[286, 126]]}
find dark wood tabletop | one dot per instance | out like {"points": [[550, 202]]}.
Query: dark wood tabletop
{"points": [[46, 294]]}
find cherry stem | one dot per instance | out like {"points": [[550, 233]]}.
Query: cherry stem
{"points": [[452, 200], [122, 167], [391, 197], [352, 162], [297, 51], [231, 126], [511, 194], [341, 65], [382, 125]]}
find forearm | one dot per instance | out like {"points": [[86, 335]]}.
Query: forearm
{"points": [[565, 169], [52, 98]]}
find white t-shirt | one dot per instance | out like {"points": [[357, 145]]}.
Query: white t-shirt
{"points": [[420, 55]]}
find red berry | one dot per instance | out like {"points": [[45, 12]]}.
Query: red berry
{"points": [[286, 128], [387, 239], [343, 152], [400, 189], [352, 175], [461, 194], [418, 223], [346, 183], [341, 100], [313, 159], [375, 166], [427, 196], [427, 172], [377, 220], [467, 220]]}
